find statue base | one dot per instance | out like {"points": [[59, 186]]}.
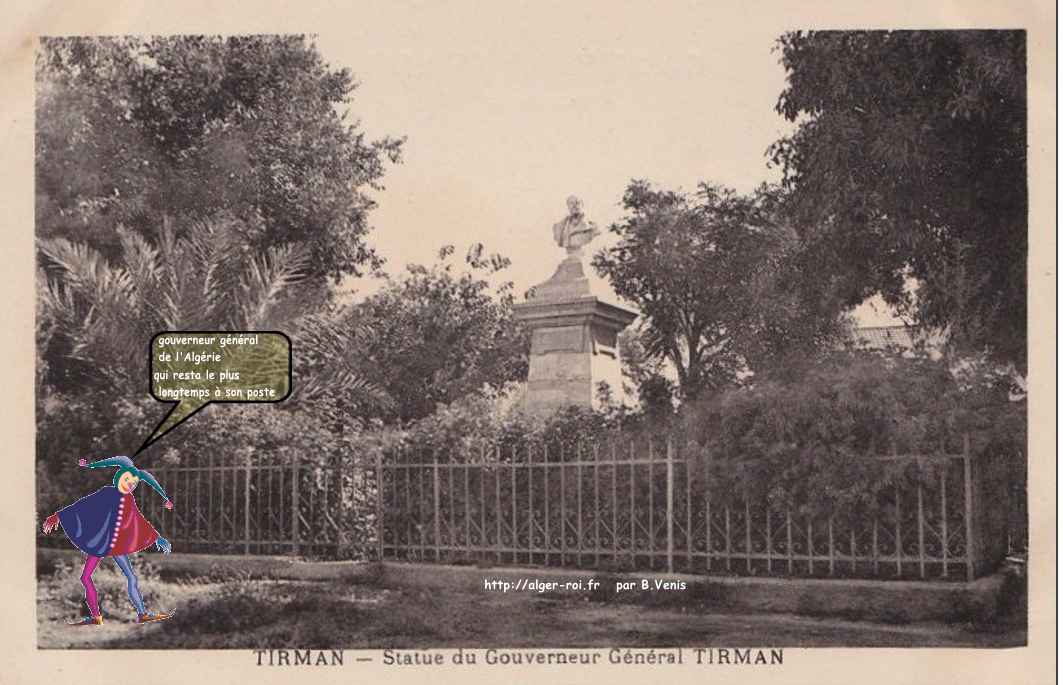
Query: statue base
{"points": [[573, 341]]}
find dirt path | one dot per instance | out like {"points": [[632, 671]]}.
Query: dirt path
{"points": [[272, 614]]}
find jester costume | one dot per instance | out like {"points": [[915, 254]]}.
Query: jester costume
{"points": [[108, 523]]}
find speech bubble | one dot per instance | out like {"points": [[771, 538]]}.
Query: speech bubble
{"points": [[194, 369]]}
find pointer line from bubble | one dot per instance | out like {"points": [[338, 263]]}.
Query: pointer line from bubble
{"points": [[191, 370]]}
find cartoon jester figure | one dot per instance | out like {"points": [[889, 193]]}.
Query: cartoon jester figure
{"points": [[108, 523]]}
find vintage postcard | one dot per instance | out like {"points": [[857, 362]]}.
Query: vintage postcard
{"points": [[399, 342]]}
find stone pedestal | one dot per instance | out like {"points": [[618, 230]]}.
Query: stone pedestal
{"points": [[573, 340]]}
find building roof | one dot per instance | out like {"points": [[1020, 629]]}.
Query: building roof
{"points": [[898, 338], [883, 337]]}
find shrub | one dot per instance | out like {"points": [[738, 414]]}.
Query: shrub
{"points": [[472, 428], [809, 440]]}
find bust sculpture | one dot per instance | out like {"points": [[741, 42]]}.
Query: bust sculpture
{"points": [[574, 231], [574, 325]]}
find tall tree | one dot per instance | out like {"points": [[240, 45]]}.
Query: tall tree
{"points": [[704, 271], [440, 334], [909, 162], [130, 130], [96, 318]]}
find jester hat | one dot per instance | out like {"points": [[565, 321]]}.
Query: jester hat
{"points": [[125, 465]]}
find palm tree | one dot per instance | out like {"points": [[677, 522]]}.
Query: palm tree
{"points": [[97, 319]]}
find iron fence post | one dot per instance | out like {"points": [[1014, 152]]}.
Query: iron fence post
{"points": [[211, 475], [563, 511], [497, 468], [247, 505], [295, 505], [919, 504], [708, 511], [435, 504], [468, 540], [380, 507], [670, 506], [968, 506], [898, 547], [945, 519]]}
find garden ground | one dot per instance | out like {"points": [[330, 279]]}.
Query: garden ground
{"points": [[247, 613]]}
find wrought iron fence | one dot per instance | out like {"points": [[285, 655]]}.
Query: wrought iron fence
{"points": [[609, 507], [652, 509], [315, 509]]}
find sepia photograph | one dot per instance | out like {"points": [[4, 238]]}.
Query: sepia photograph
{"points": [[552, 341]]}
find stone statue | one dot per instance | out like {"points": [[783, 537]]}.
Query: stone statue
{"points": [[574, 231]]}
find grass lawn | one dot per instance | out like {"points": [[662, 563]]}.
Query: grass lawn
{"points": [[239, 613]]}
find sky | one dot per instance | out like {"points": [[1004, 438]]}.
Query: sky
{"points": [[508, 115]]}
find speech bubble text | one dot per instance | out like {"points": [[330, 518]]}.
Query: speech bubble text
{"points": [[193, 369]]}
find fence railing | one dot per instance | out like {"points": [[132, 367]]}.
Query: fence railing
{"points": [[653, 510], [611, 507], [264, 508]]}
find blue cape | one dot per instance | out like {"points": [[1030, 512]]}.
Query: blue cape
{"points": [[90, 521]]}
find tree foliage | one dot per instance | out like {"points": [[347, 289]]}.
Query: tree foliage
{"points": [[645, 376], [101, 316], [705, 272], [811, 438], [909, 161], [95, 320], [440, 334], [130, 130]]}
